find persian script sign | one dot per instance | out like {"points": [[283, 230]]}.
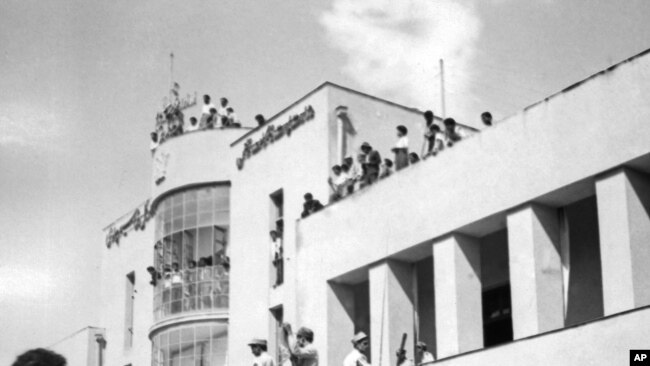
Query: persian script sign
{"points": [[137, 221], [273, 134]]}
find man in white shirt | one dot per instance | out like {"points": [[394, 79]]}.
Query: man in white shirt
{"points": [[360, 342], [453, 132], [193, 125], [338, 183], [233, 120], [206, 105], [262, 358], [222, 112]]}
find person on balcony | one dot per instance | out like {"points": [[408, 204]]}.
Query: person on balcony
{"points": [[310, 206], [277, 255], [453, 132], [338, 183], [205, 284], [358, 171], [429, 137], [205, 110], [177, 278], [386, 168], [349, 163], [373, 160], [222, 112], [189, 291], [357, 357], [260, 120], [154, 142], [413, 158], [233, 120], [401, 148], [301, 346], [207, 104], [212, 119], [486, 118], [193, 125]]}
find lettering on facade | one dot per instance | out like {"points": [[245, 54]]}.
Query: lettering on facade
{"points": [[137, 221], [160, 167], [273, 134]]}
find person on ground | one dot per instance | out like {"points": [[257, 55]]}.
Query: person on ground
{"points": [[40, 357], [301, 346], [261, 356], [357, 357]]}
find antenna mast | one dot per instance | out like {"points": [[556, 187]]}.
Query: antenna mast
{"points": [[171, 73], [442, 88]]}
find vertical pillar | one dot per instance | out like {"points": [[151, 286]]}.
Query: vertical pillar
{"points": [[457, 286], [536, 283], [340, 322], [624, 226], [391, 310]]}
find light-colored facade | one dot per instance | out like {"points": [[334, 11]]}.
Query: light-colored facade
{"points": [[525, 243]]}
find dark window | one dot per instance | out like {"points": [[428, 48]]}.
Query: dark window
{"points": [[497, 316]]}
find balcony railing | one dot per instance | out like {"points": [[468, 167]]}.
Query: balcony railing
{"points": [[197, 290]]}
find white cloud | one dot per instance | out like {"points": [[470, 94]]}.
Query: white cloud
{"points": [[26, 127], [393, 47]]}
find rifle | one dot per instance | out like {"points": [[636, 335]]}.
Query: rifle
{"points": [[401, 350]]}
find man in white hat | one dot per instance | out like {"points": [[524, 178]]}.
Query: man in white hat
{"points": [[360, 342], [262, 358], [425, 356]]}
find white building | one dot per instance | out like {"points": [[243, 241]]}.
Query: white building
{"points": [[525, 243]]}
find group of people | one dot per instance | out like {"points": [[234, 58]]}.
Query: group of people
{"points": [[199, 286], [369, 167], [171, 122], [299, 350]]}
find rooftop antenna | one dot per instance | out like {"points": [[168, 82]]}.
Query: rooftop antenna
{"points": [[171, 74], [442, 88]]}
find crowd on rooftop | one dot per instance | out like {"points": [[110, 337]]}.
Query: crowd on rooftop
{"points": [[171, 122], [369, 167]]}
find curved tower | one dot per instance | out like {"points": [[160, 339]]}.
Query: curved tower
{"points": [[191, 201]]}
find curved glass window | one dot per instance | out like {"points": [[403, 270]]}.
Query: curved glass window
{"points": [[191, 254], [191, 345]]}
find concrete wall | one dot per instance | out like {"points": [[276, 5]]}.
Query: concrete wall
{"points": [[585, 285], [560, 141], [604, 342], [198, 157], [296, 164], [134, 253]]}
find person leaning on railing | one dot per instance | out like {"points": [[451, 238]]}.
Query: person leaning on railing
{"points": [[401, 148]]}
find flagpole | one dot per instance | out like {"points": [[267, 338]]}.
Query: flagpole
{"points": [[171, 73], [442, 88]]}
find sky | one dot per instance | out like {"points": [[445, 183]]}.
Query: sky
{"points": [[81, 82]]}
